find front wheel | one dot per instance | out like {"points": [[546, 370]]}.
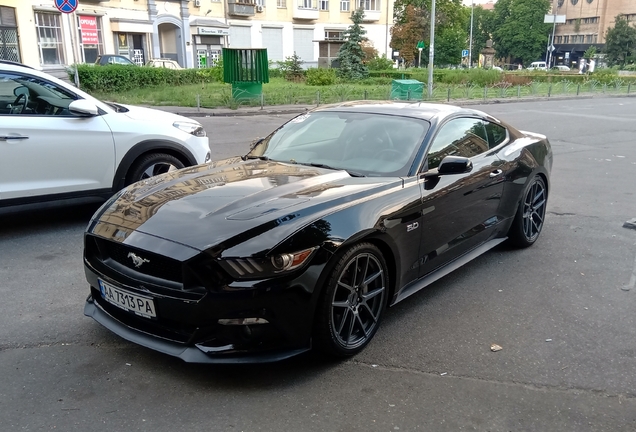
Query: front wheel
{"points": [[151, 165], [353, 301], [530, 216]]}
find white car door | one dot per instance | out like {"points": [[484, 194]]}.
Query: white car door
{"points": [[44, 149]]}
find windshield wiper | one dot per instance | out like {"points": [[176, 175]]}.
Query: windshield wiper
{"points": [[351, 173], [263, 158]]}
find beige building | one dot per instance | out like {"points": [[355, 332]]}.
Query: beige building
{"points": [[192, 32], [586, 24]]}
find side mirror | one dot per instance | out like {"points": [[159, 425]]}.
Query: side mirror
{"points": [[83, 108], [454, 165]]}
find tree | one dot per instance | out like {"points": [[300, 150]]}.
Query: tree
{"points": [[620, 43], [519, 31], [351, 55], [412, 24], [482, 29]]}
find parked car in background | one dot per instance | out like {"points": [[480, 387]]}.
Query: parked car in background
{"points": [[107, 59], [538, 65], [164, 63], [305, 240], [560, 68], [57, 142]]}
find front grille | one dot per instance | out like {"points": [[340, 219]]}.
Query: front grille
{"points": [[156, 266]]}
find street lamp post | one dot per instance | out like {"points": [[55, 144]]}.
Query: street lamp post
{"points": [[431, 52], [470, 43]]}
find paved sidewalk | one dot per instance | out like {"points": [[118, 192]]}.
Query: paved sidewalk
{"points": [[300, 108]]}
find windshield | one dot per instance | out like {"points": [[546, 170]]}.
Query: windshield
{"points": [[363, 143]]}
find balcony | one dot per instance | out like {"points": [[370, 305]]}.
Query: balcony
{"points": [[306, 10], [371, 9], [371, 16], [244, 8]]}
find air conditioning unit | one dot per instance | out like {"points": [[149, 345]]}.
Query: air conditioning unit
{"points": [[197, 3], [260, 8]]}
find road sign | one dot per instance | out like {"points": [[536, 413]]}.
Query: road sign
{"points": [[464, 53], [66, 6], [551, 48], [420, 45]]}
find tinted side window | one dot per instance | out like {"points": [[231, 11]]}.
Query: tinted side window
{"points": [[496, 134], [27, 95], [460, 137]]}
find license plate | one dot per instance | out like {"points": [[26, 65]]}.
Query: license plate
{"points": [[142, 306]]}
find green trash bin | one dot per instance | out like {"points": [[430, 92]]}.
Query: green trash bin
{"points": [[407, 89]]}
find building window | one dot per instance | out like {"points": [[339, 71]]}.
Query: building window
{"points": [[369, 5], [9, 49], [91, 39], [344, 5], [334, 35], [566, 39], [323, 5], [49, 31], [307, 4], [260, 3], [281, 3]]}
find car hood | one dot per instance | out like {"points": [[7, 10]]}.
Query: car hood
{"points": [[149, 114], [206, 205]]}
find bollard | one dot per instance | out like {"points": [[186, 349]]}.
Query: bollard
{"points": [[366, 95], [578, 89], [448, 97], [262, 100], [550, 90], [518, 91], [318, 98], [604, 88], [485, 92], [408, 94], [629, 86], [198, 102]]}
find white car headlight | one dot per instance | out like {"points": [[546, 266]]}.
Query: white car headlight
{"points": [[190, 127]]}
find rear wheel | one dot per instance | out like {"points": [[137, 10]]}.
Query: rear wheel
{"points": [[153, 164], [530, 216], [353, 301]]}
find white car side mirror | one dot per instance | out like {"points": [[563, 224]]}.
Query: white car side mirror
{"points": [[84, 108]]}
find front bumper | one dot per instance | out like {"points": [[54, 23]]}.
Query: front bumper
{"points": [[189, 354]]}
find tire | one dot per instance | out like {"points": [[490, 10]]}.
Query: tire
{"points": [[151, 165], [350, 310], [529, 219]]}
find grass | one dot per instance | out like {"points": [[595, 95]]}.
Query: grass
{"points": [[281, 92]]}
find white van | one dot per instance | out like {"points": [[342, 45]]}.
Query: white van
{"points": [[538, 65]]}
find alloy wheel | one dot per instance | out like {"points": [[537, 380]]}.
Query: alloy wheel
{"points": [[156, 169], [534, 210]]}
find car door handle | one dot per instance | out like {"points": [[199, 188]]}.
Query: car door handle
{"points": [[12, 137], [496, 173]]}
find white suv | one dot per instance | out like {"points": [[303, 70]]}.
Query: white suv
{"points": [[57, 142]]}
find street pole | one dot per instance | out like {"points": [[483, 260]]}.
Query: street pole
{"points": [[551, 47], [431, 52], [470, 43]]}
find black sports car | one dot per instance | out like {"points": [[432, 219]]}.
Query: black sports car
{"points": [[305, 240]]}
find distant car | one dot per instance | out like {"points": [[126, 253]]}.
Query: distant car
{"points": [[57, 142], [560, 68], [305, 240], [497, 68], [538, 65], [107, 59], [164, 63]]}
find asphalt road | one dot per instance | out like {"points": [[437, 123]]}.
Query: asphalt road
{"points": [[563, 311]]}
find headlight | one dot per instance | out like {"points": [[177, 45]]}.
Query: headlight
{"points": [[252, 268], [190, 127]]}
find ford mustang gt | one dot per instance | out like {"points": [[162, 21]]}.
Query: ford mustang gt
{"points": [[304, 241]]}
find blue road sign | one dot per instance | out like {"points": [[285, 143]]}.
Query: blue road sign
{"points": [[66, 6], [464, 53]]}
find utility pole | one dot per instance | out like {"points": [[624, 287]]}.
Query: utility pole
{"points": [[431, 52], [470, 43], [551, 47]]}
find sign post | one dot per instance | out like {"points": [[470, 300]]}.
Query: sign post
{"points": [[420, 47], [68, 7]]}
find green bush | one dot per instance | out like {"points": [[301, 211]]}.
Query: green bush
{"points": [[118, 78], [320, 76], [379, 64], [392, 73]]}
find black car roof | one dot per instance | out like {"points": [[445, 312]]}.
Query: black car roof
{"points": [[421, 110]]}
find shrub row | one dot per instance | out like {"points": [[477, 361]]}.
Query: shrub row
{"points": [[118, 78]]}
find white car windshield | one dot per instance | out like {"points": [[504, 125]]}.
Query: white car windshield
{"points": [[363, 143]]}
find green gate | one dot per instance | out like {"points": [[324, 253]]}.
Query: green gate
{"points": [[246, 69]]}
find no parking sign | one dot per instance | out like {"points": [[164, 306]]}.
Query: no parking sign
{"points": [[66, 6]]}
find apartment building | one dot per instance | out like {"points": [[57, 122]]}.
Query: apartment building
{"points": [[586, 24], [192, 32]]}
